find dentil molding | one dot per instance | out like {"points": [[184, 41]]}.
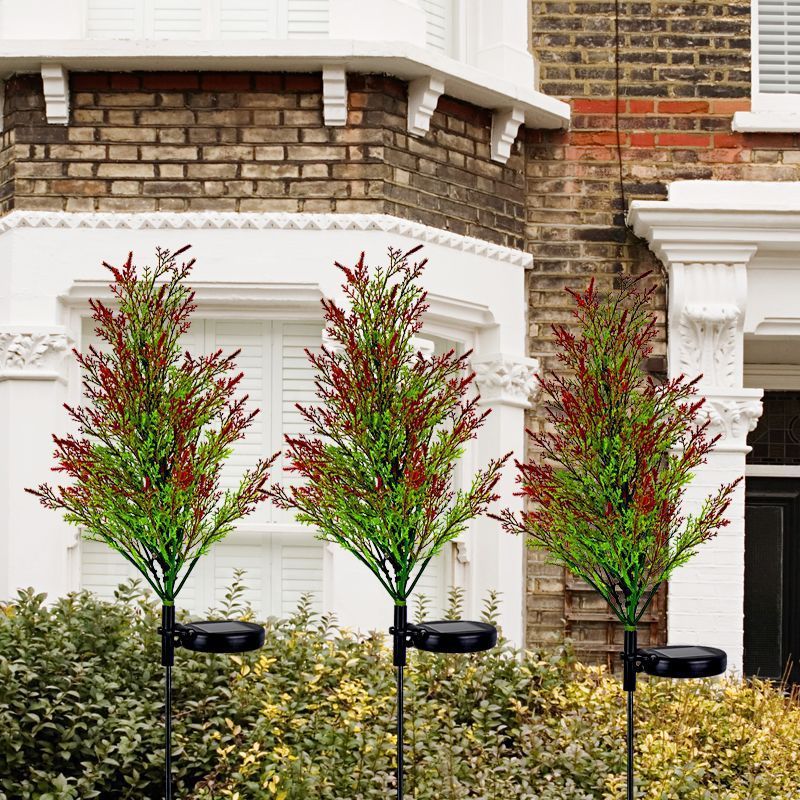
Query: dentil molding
{"points": [[224, 220], [32, 354], [506, 380]]}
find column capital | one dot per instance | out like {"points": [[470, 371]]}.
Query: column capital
{"points": [[33, 353], [505, 379], [733, 415]]}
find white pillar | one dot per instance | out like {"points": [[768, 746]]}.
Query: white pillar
{"points": [[496, 559], [34, 542], [705, 336]]}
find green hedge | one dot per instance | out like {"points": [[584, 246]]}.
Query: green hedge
{"points": [[312, 714]]}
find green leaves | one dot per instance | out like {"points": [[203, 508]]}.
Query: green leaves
{"points": [[156, 430], [615, 458], [389, 429]]}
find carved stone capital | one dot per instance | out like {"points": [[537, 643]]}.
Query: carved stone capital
{"points": [[733, 415], [506, 380], [29, 354]]}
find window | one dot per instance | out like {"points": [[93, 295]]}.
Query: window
{"points": [[203, 19], [776, 55], [282, 560]]}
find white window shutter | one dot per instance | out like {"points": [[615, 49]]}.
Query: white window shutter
{"points": [[439, 24], [248, 19], [307, 19], [114, 19], [779, 46], [178, 19]]}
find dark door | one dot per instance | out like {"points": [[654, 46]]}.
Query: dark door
{"points": [[772, 578]]}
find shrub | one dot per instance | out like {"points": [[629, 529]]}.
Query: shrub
{"points": [[311, 716]]}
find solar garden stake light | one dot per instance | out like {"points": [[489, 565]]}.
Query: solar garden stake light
{"points": [[145, 467], [612, 469], [378, 462]]}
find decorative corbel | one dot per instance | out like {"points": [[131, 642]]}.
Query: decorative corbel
{"points": [[55, 81], [423, 96], [505, 126], [334, 95]]}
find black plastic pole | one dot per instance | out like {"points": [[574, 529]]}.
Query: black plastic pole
{"points": [[399, 632], [167, 631], [629, 660]]}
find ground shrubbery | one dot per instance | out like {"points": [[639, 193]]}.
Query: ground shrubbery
{"points": [[311, 716]]}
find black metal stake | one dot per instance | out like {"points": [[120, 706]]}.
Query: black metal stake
{"points": [[167, 631], [630, 665], [399, 633]]}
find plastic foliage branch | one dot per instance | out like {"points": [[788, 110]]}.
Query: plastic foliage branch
{"points": [[616, 458], [158, 426], [379, 458]]}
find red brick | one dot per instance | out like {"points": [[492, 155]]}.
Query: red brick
{"points": [[730, 106], [601, 137], [304, 83], [226, 81], [587, 105], [268, 83], [170, 80], [643, 140], [682, 107], [125, 80], [728, 140], [641, 106], [86, 81], [684, 140]]}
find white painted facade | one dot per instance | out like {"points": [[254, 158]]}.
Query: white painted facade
{"points": [[730, 249], [254, 272]]}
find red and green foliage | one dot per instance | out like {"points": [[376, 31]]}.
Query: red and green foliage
{"points": [[157, 429], [386, 435], [605, 495]]}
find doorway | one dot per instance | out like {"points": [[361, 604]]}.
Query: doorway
{"points": [[772, 578]]}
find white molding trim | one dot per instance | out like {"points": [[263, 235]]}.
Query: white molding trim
{"points": [[264, 221], [505, 126], [772, 377], [55, 82], [334, 95], [218, 296], [766, 122], [771, 471], [423, 97], [402, 59]]}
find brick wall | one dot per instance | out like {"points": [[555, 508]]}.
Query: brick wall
{"points": [[684, 71], [255, 142]]}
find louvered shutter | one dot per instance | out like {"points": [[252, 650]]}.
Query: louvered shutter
{"points": [[439, 24], [114, 19], [306, 19], [779, 46], [279, 567], [178, 19], [248, 19]]}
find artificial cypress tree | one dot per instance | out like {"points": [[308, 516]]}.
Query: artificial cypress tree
{"points": [[384, 439], [618, 452], [151, 441]]}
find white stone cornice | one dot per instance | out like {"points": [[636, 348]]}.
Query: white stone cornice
{"points": [[162, 220], [504, 379], [32, 354]]}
